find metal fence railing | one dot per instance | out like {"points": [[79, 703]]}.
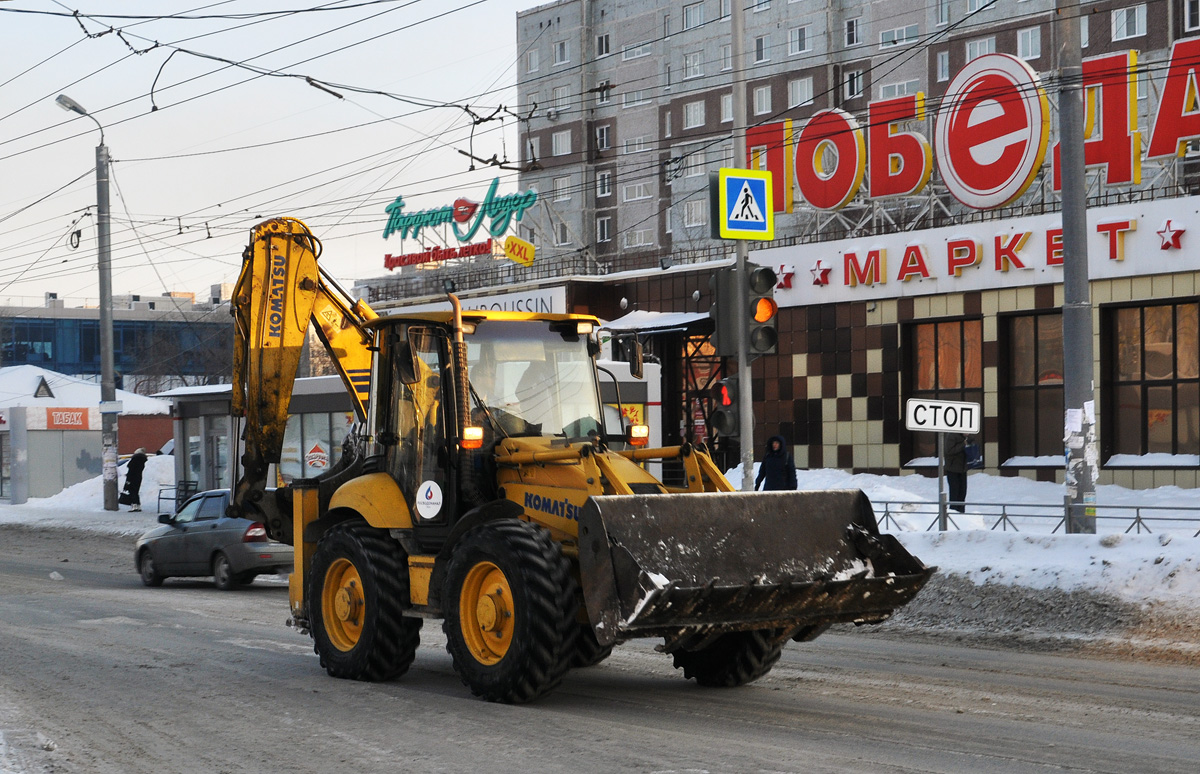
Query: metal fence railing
{"points": [[1040, 518]]}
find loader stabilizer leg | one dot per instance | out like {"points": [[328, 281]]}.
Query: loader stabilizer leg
{"points": [[696, 565]]}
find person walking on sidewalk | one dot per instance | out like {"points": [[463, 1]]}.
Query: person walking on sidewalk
{"points": [[777, 470], [956, 470]]}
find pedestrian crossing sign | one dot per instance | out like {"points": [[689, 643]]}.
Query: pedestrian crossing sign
{"points": [[744, 204]]}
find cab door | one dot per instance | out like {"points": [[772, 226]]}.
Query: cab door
{"points": [[417, 429]]}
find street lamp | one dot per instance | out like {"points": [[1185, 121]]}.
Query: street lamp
{"points": [[108, 387]]}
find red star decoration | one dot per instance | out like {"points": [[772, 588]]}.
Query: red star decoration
{"points": [[1170, 237], [785, 278], [820, 273]]}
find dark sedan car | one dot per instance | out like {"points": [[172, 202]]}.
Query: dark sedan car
{"points": [[200, 540]]}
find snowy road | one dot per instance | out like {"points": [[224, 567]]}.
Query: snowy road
{"points": [[99, 674]]}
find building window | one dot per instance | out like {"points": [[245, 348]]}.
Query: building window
{"points": [[604, 229], [899, 35], [636, 145], [1083, 31], [533, 148], [980, 46], [562, 52], [1152, 399], [602, 138], [667, 124], [603, 93], [854, 84], [762, 100], [1029, 43], [641, 237], [667, 25], [603, 45], [603, 184], [798, 39], [1034, 392], [562, 188], [560, 143], [1129, 22], [667, 76], [977, 5], [726, 57], [531, 61], [760, 5], [693, 65], [943, 12], [560, 97], [695, 213], [902, 89], [726, 107], [943, 65], [634, 98], [636, 51], [725, 6], [695, 162], [562, 236], [946, 365], [1191, 15], [693, 115], [853, 32], [693, 15], [800, 92], [762, 48], [635, 192]]}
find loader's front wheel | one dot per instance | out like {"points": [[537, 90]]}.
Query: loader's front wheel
{"points": [[509, 601], [588, 650], [733, 659], [357, 591]]}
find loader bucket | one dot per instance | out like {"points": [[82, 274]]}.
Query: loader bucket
{"points": [[694, 565]]}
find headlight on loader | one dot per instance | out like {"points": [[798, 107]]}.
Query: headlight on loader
{"points": [[637, 435], [472, 438]]}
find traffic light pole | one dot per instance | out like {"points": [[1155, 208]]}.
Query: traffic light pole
{"points": [[745, 389]]}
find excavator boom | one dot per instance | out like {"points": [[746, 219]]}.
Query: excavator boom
{"points": [[279, 292]]}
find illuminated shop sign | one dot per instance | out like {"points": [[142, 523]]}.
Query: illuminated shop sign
{"points": [[991, 135], [465, 217], [1123, 241]]}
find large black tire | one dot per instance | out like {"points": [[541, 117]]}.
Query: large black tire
{"points": [[509, 603], [357, 592], [733, 659], [588, 650], [146, 568]]}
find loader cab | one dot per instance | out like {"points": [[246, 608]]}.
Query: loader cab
{"points": [[530, 379]]}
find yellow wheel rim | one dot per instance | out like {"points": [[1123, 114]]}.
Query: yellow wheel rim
{"points": [[485, 609], [343, 604]]}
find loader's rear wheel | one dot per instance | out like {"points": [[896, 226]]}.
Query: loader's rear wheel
{"points": [[509, 600], [733, 659], [357, 591], [588, 650]]}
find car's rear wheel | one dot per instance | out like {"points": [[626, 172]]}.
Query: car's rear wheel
{"points": [[223, 575], [149, 573]]}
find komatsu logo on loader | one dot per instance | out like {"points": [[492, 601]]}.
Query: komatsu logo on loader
{"points": [[276, 294], [564, 508]]}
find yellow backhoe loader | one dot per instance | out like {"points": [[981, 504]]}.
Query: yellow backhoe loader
{"points": [[486, 491]]}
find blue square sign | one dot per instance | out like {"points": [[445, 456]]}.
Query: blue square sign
{"points": [[745, 206]]}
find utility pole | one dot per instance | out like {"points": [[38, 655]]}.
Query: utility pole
{"points": [[1078, 383], [108, 385], [745, 388]]}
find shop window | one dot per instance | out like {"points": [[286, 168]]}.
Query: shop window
{"points": [[1152, 398], [946, 364], [1034, 388]]}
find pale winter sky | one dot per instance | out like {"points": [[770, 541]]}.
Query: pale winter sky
{"points": [[229, 145]]}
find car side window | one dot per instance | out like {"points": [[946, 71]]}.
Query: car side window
{"points": [[211, 508], [187, 513]]}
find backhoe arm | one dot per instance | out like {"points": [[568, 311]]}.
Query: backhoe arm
{"points": [[280, 290]]}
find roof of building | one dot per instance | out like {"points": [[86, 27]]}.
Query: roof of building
{"points": [[28, 385]]}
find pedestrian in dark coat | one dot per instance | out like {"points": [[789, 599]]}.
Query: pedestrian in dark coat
{"points": [[133, 479], [956, 470], [778, 469]]}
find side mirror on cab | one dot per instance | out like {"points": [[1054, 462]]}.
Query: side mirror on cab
{"points": [[165, 518]]}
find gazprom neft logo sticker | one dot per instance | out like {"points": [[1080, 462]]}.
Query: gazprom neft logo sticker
{"points": [[429, 500]]}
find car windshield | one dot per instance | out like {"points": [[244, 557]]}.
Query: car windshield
{"points": [[533, 378]]}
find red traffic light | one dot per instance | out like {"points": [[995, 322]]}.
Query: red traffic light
{"points": [[724, 398]]}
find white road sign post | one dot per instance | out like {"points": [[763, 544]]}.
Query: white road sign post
{"points": [[941, 417]]}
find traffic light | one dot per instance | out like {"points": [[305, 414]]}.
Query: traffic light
{"points": [[723, 312], [725, 407], [761, 310]]}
